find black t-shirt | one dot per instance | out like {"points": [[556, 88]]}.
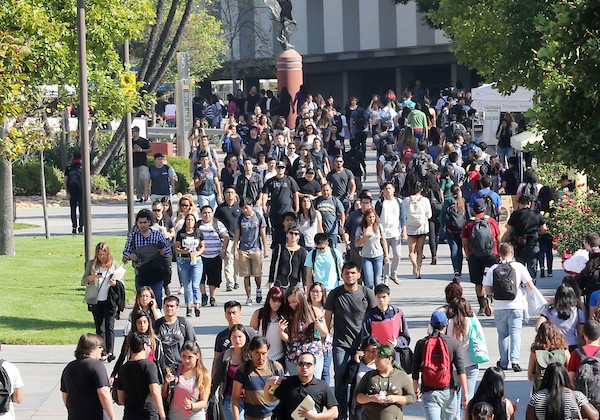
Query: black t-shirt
{"points": [[81, 380], [140, 158], [236, 145], [222, 341], [340, 182], [189, 240], [165, 222], [292, 392], [172, 337], [282, 191], [525, 222], [134, 379], [309, 187], [229, 215], [511, 177]]}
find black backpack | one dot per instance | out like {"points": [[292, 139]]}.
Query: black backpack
{"points": [[587, 379], [360, 122], [504, 285], [421, 165], [455, 219], [5, 386], [74, 180], [490, 207]]}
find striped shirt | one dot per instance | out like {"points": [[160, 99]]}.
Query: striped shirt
{"points": [[253, 383], [136, 240], [212, 237], [573, 401]]}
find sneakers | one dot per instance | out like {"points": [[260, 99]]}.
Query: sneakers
{"points": [[258, 295], [188, 312], [516, 367], [249, 302], [213, 301], [229, 289], [501, 367], [74, 231], [204, 300], [197, 310], [542, 273], [236, 285]]}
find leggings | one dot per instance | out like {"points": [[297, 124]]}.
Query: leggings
{"points": [[434, 229], [545, 254]]}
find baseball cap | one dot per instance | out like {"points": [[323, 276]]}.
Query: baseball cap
{"points": [[439, 319], [479, 205], [158, 155], [281, 164]]}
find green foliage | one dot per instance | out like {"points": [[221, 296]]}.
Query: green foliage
{"points": [[549, 173], [575, 216], [27, 179], [181, 165], [102, 185]]}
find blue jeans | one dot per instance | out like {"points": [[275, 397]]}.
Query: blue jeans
{"points": [[440, 404], [456, 251], [509, 323], [504, 153], [341, 359], [372, 270], [207, 200], [333, 238], [326, 376], [227, 412], [189, 277], [472, 373]]}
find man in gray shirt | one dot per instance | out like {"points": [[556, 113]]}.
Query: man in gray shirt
{"points": [[161, 178], [249, 247], [348, 304]]}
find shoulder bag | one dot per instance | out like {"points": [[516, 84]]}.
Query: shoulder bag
{"points": [[477, 347]]}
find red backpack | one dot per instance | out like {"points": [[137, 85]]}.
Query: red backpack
{"points": [[436, 368]]}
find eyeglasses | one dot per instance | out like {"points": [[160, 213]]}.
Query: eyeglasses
{"points": [[157, 210], [305, 364]]}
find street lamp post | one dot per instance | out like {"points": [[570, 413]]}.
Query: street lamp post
{"points": [[84, 137]]}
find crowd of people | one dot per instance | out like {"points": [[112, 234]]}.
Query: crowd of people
{"points": [[297, 197]]}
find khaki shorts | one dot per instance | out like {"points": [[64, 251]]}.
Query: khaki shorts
{"points": [[250, 263]]}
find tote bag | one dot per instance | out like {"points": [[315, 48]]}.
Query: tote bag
{"points": [[477, 347]]}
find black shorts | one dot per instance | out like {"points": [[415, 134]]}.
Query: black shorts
{"points": [[211, 273], [477, 266]]}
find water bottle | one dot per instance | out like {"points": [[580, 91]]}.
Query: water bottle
{"points": [[194, 259]]}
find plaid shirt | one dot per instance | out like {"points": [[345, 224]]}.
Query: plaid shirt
{"points": [[136, 240]]}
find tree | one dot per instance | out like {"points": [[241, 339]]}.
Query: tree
{"points": [[550, 47]]}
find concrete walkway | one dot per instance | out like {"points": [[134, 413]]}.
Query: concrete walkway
{"points": [[41, 366]]}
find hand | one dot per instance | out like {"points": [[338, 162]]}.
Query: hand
{"points": [[273, 380], [392, 342], [404, 236], [162, 252], [265, 209], [266, 253], [386, 259], [111, 381], [283, 324], [358, 355], [169, 377], [236, 254], [223, 254], [133, 257], [92, 277], [189, 404], [304, 413]]}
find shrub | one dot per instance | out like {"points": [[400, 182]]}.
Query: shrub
{"points": [[102, 185], [27, 179], [181, 165]]}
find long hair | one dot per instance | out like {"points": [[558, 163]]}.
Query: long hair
{"points": [[554, 382], [102, 246], [300, 315], [169, 211], [549, 337], [324, 298], [264, 314], [366, 214], [312, 213], [243, 330], [202, 375], [460, 311], [491, 390], [88, 342], [457, 195], [454, 290], [150, 333], [138, 296], [565, 300]]}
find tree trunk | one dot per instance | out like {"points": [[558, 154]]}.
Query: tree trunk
{"points": [[7, 240], [151, 44], [110, 149], [162, 41]]}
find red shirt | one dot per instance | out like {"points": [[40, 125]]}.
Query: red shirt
{"points": [[574, 361], [468, 229]]}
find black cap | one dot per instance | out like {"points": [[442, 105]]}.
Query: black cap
{"points": [[479, 206]]}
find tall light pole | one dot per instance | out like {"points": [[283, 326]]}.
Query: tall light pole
{"points": [[84, 137], [129, 152]]}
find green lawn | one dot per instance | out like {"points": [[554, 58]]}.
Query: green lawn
{"points": [[41, 300], [20, 226]]}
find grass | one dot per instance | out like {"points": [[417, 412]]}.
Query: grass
{"points": [[20, 226], [41, 299]]}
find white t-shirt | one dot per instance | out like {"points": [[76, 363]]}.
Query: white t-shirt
{"points": [[309, 231], [15, 382], [523, 277], [390, 218]]}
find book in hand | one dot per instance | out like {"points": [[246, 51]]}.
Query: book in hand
{"points": [[307, 403]]}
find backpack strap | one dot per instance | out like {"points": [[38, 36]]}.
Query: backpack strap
{"points": [[335, 263]]}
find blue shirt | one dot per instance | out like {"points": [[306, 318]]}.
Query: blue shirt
{"points": [[494, 196]]}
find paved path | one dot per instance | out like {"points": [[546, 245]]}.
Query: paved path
{"points": [[41, 366]]}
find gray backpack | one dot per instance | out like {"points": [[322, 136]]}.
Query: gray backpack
{"points": [[587, 379]]}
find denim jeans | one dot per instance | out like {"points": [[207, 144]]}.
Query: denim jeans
{"points": [[326, 376], [545, 253], [472, 373], [372, 270], [504, 153], [456, 251], [227, 412], [341, 359], [190, 277], [440, 404], [509, 323], [529, 258], [207, 200]]}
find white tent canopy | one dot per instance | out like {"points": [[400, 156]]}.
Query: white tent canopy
{"points": [[487, 97], [521, 140]]}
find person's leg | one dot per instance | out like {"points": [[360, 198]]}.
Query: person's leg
{"points": [[432, 405], [202, 201], [356, 259], [419, 250], [333, 239], [80, 206], [515, 325], [158, 292], [377, 269], [341, 359], [227, 412], [412, 252], [453, 245], [327, 357], [501, 317], [214, 279], [247, 286], [230, 267], [109, 329], [368, 271], [395, 247], [450, 408], [138, 186], [98, 314], [185, 278], [433, 240], [197, 272], [212, 201], [73, 205], [256, 271], [472, 376], [145, 175]]}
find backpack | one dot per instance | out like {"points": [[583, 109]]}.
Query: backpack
{"points": [[74, 181], [482, 241], [504, 282], [352, 161], [436, 367], [490, 207], [542, 359], [466, 186], [455, 219], [457, 129], [436, 204], [361, 122], [209, 112], [389, 169], [485, 168], [421, 165], [415, 216], [335, 261], [587, 379], [5, 386]]}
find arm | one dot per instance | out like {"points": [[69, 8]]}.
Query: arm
{"points": [[263, 237], [531, 366], [530, 413], [352, 189], [588, 411], [64, 398], [309, 276], [203, 403], [157, 400], [235, 399], [328, 316], [270, 398], [273, 266], [105, 400], [236, 243], [296, 202]]}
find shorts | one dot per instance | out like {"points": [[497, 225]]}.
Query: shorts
{"points": [[250, 263], [142, 173], [477, 266], [212, 271], [420, 235]]}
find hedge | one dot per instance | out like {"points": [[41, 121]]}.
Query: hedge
{"points": [[27, 179], [181, 165]]}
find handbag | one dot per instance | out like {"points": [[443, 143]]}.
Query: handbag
{"points": [[113, 390], [213, 411], [478, 350]]}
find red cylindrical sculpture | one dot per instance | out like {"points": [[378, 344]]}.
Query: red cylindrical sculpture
{"points": [[289, 74]]}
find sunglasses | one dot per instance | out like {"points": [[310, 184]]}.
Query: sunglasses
{"points": [[184, 205], [320, 248], [294, 233], [156, 210], [305, 364]]}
